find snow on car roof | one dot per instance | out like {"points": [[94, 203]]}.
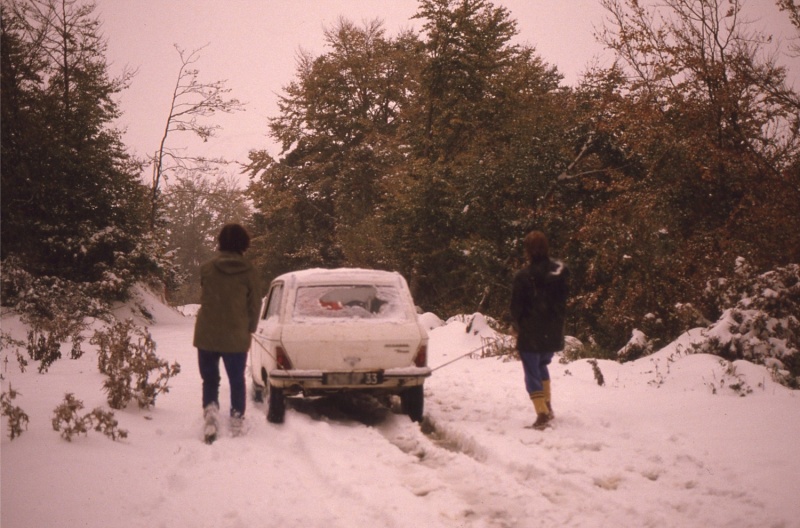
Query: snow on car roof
{"points": [[342, 275]]}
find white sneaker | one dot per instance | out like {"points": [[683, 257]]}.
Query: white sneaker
{"points": [[211, 417], [237, 425]]}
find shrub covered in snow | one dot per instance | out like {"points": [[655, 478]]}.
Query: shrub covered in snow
{"points": [[44, 347], [54, 309], [638, 346], [6, 343], [759, 320], [126, 354], [41, 299], [17, 418], [69, 423]]}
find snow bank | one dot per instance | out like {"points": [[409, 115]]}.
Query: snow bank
{"points": [[147, 307]]}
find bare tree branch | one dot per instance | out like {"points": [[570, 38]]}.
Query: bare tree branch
{"points": [[192, 103]]}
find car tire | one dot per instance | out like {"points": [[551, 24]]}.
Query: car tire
{"points": [[412, 402], [277, 405]]}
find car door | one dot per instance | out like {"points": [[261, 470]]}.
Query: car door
{"points": [[267, 334]]}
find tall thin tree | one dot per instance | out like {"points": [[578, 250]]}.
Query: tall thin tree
{"points": [[193, 101]]}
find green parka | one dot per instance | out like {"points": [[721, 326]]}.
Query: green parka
{"points": [[229, 304]]}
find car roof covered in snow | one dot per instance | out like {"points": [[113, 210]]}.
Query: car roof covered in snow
{"points": [[341, 276]]}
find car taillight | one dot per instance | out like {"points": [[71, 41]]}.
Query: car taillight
{"points": [[282, 359], [421, 359]]}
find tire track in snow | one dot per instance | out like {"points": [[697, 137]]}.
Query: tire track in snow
{"points": [[446, 474], [483, 489], [493, 497]]}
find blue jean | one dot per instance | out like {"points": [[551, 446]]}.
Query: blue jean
{"points": [[534, 364], [235, 364]]}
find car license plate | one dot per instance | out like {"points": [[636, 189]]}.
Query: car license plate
{"points": [[353, 378]]}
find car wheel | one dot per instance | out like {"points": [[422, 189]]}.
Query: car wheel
{"points": [[412, 402], [277, 405]]}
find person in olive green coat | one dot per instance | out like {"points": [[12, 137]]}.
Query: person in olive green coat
{"points": [[229, 306]]}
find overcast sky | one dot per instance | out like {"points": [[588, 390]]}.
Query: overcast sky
{"points": [[253, 45]]}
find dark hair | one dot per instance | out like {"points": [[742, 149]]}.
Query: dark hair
{"points": [[536, 246], [234, 238]]}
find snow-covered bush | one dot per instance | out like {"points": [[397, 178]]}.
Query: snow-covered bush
{"points": [[638, 346], [42, 299], [17, 418], [6, 343], [69, 423], [573, 350], [759, 320], [499, 346], [44, 347], [126, 355], [54, 310], [730, 378], [494, 343]]}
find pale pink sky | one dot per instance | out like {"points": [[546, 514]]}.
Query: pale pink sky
{"points": [[253, 45]]}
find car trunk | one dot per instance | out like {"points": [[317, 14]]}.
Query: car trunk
{"points": [[347, 346]]}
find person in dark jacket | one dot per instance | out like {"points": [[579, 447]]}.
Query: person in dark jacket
{"points": [[230, 301], [538, 310]]}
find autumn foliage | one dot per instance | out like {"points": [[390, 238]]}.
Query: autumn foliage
{"points": [[434, 154]]}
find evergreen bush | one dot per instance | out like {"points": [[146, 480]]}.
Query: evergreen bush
{"points": [[758, 321], [54, 309]]}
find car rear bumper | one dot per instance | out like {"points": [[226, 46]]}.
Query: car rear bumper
{"points": [[319, 382]]}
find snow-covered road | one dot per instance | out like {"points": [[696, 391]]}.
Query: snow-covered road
{"points": [[653, 447]]}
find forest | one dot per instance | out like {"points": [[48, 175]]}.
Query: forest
{"points": [[668, 182]]}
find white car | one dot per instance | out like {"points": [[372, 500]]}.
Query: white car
{"points": [[324, 331]]}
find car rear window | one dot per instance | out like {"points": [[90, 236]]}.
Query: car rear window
{"points": [[354, 301]]}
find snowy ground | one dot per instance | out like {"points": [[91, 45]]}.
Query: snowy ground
{"points": [[665, 442]]}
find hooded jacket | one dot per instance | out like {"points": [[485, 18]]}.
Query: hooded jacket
{"points": [[229, 304], [538, 306]]}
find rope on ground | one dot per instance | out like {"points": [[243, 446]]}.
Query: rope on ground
{"points": [[462, 356]]}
